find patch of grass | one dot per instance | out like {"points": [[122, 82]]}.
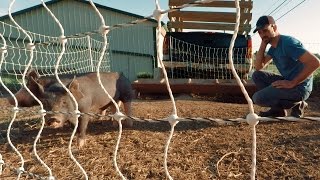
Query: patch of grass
{"points": [[11, 82], [144, 75], [316, 79]]}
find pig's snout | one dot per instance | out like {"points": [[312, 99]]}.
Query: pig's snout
{"points": [[55, 122]]}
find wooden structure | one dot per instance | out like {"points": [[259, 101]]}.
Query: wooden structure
{"points": [[207, 87], [224, 17], [217, 15]]}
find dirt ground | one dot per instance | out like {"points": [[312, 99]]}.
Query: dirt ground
{"points": [[198, 149]]}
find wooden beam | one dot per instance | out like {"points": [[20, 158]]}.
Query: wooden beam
{"points": [[228, 17], [224, 4], [158, 87], [208, 26]]}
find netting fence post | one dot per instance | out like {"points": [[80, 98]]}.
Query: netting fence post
{"points": [[90, 52]]}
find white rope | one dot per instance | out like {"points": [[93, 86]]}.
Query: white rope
{"points": [[167, 148], [54, 17], [98, 13], [118, 116], [3, 50], [158, 16], [1, 164], [226, 121], [15, 111], [21, 168], [252, 118], [30, 47], [254, 153], [172, 119], [43, 113], [63, 41], [104, 30], [250, 103]]}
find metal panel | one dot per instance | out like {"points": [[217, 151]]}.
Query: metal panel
{"points": [[130, 66]]}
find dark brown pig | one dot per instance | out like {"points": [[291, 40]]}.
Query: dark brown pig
{"points": [[23, 97], [90, 97], [33, 81]]}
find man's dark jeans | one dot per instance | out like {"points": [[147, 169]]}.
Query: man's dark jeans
{"points": [[269, 96]]}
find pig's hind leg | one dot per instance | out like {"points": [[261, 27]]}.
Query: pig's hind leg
{"points": [[127, 109]]}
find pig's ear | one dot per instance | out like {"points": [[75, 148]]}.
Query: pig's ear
{"points": [[35, 87], [32, 73], [75, 89]]}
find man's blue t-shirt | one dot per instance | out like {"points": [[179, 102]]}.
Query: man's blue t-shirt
{"points": [[286, 57]]}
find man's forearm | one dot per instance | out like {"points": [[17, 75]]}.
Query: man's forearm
{"points": [[259, 63], [308, 69]]}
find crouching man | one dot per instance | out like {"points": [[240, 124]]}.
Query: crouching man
{"points": [[292, 87]]}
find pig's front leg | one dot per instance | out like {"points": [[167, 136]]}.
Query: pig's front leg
{"points": [[83, 124]]}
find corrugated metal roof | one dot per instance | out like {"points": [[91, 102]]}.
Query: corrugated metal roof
{"points": [[81, 1]]}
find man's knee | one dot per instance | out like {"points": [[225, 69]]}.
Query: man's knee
{"points": [[258, 99], [255, 98], [256, 76]]}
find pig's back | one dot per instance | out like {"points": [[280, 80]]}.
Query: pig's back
{"points": [[116, 84]]}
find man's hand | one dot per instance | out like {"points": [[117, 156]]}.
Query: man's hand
{"points": [[283, 84], [264, 42]]}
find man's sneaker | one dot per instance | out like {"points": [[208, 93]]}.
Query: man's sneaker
{"points": [[274, 113], [298, 110]]}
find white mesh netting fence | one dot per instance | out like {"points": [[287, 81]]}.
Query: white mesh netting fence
{"points": [[187, 60], [22, 50], [81, 55]]}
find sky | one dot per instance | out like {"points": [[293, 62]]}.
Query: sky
{"points": [[302, 22]]}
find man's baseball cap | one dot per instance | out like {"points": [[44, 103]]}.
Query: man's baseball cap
{"points": [[263, 21]]}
